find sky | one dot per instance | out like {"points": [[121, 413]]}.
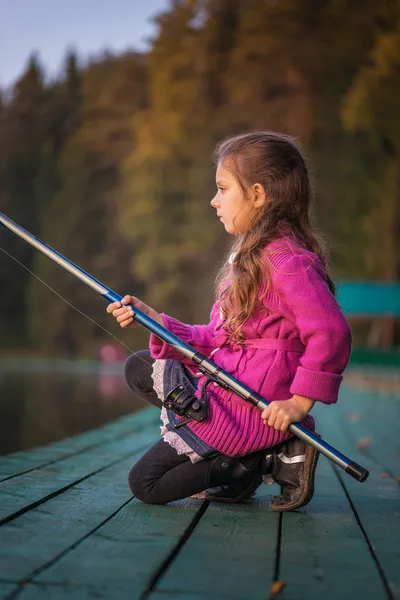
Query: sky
{"points": [[50, 27]]}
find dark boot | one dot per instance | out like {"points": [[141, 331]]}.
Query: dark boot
{"points": [[238, 478], [294, 464]]}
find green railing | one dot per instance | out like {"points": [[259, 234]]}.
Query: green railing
{"points": [[369, 299], [380, 303]]}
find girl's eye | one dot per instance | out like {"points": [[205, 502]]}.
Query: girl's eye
{"points": [[221, 189]]}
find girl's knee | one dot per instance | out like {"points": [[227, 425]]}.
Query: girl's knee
{"points": [[136, 367], [142, 491]]}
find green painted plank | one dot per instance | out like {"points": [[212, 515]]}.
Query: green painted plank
{"points": [[323, 551], [74, 592], [210, 594], [21, 492], [40, 535], [377, 502], [104, 560], [20, 462], [118, 560], [230, 554], [370, 418], [71, 591], [39, 592], [6, 589]]}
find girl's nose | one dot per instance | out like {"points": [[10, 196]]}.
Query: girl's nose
{"points": [[213, 203]]}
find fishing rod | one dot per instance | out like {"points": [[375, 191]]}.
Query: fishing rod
{"points": [[204, 365]]}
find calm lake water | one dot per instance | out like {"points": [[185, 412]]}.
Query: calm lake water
{"points": [[44, 402]]}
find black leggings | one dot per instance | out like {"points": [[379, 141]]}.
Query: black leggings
{"points": [[162, 475]]}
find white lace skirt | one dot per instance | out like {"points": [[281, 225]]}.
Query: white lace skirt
{"points": [[171, 437]]}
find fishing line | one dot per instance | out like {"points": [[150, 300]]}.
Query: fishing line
{"points": [[72, 306], [204, 364]]}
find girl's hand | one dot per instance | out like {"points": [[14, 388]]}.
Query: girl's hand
{"points": [[280, 413], [124, 314]]}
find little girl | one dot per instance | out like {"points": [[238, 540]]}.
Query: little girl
{"points": [[275, 326]]}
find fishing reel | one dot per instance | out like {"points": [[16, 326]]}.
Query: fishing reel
{"points": [[181, 401]]}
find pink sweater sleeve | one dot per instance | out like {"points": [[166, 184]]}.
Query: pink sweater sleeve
{"points": [[200, 337], [306, 300]]}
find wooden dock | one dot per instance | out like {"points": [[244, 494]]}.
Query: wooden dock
{"points": [[70, 528]]}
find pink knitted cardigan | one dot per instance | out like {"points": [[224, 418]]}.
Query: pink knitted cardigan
{"points": [[306, 343]]}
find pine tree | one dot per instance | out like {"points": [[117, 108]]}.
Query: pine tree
{"points": [[79, 221], [22, 125]]}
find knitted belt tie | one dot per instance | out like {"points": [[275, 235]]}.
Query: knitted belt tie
{"points": [[290, 345]]}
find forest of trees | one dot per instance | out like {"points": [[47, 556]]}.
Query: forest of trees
{"points": [[111, 163]]}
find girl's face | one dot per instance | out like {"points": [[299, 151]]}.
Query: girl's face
{"points": [[234, 209]]}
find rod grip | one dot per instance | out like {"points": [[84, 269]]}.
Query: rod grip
{"points": [[357, 471]]}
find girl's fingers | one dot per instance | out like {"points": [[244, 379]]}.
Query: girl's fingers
{"points": [[132, 300], [126, 322], [285, 426], [127, 314], [113, 306], [266, 415], [279, 419], [122, 312], [129, 322], [120, 305], [279, 423]]}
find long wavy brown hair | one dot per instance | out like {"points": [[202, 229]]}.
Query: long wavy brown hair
{"points": [[276, 162]]}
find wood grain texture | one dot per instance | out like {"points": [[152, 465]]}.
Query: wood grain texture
{"points": [[119, 558], [14, 464], [94, 541], [23, 492], [56, 592], [370, 420], [6, 589], [376, 501], [324, 553], [230, 554], [40, 535]]}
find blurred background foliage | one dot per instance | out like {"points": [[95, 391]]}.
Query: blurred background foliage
{"points": [[111, 163]]}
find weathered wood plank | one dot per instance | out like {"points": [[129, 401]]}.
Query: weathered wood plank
{"points": [[22, 492], [324, 553], [38, 591], [377, 505], [228, 554], [369, 419], [231, 554], [6, 589], [119, 558], [15, 464], [40, 535]]}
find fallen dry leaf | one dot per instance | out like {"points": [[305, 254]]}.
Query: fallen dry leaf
{"points": [[276, 588], [364, 443], [354, 417]]}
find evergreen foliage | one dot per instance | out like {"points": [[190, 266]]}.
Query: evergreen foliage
{"points": [[111, 163]]}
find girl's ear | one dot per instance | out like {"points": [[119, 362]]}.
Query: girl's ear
{"points": [[259, 195]]}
